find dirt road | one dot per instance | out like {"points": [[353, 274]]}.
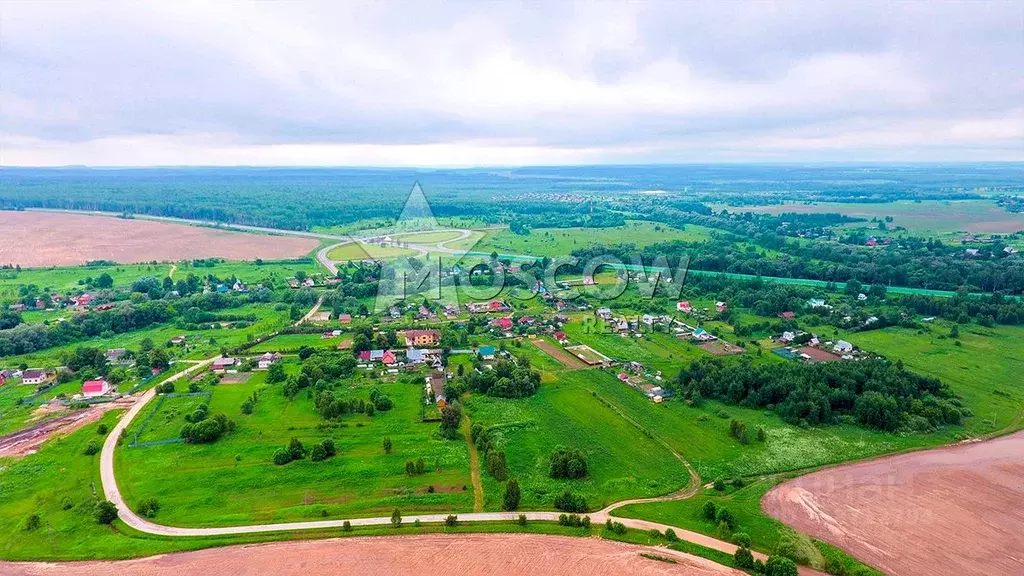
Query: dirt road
{"points": [[953, 510]]}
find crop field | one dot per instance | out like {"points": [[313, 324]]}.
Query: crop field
{"points": [[926, 216], [559, 241], [54, 239], [234, 480]]}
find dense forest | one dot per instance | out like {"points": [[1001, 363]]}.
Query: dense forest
{"points": [[872, 393]]}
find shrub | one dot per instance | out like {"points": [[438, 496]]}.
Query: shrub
{"points": [[247, 407], [451, 520], [724, 515], [66, 503], [396, 518], [346, 526], [420, 466], [570, 502], [780, 566], [741, 539], [148, 507], [512, 495], [744, 559], [522, 520], [567, 463], [719, 484], [296, 448], [282, 456], [387, 445], [670, 535], [574, 520], [709, 511], [105, 512], [722, 532], [102, 429], [317, 453], [33, 522], [91, 448]]}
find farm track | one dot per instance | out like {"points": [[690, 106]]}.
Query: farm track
{"points": [[128, 516], [474, 467]]}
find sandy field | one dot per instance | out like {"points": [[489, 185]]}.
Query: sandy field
{"points": [[955, 510], [454, 555], [36, 239], [567, 360]]}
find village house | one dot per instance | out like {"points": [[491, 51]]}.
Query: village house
{"points": [[435, 389], [345, 318], [34, 376], [862, 297], [1010, 250], [486, 352], [604, 313], [561, 337], [503, 324], [842, 347], [721, 307], [787, 336], [19, 307], [684, 307], [221, 365], [94, 388], [267, 359], [422, 337], [115, 354], [787, 315], [178, 340]]}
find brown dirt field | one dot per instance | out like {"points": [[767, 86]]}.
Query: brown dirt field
{"points": [[720, 348], [567, 360], [953, 510], [34, 239], [27, 441], [819, 355], [422, 555]]}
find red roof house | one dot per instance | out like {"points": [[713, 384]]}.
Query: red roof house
{"points": [[503, 323], [388, 358], [787, 315], [93, 388], [364, 355]]}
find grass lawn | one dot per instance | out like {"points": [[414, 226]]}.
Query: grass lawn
{"points": [[205, 485], [64, 279], [622, 461]]}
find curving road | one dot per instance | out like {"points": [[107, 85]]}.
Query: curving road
{"points": [[128, 516]]}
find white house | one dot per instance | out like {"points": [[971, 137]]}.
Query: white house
{"points": [[843, 347], [267, 359], [33, 376]]}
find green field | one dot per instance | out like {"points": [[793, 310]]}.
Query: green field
{"points": [[560, 241], [292, 343], [622, 461], [205, 485], [198, 345], [353, 251], [430, 237]]}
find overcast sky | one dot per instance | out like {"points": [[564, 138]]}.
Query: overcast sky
{"points": [[502, 83]]}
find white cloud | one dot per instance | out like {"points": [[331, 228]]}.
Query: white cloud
{"points": [[504, 83]]}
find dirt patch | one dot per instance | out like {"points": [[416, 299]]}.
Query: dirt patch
{"points": [[955, 510], [819, 355], [51, 239], [567, 360], [424, 555], [24, 442], [720, 348]]}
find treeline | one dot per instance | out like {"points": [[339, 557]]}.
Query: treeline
{"points": [[872, 392]]}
